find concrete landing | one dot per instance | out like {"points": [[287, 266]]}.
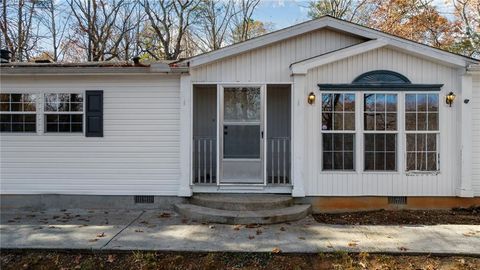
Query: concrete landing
{"points": [[242, 208], [267, 216], [168, 231]]}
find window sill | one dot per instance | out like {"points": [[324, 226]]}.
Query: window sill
{"points": [[422, 173], [338, 172]]}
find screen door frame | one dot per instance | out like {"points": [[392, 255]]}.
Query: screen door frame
{"points": [[220, 132]]}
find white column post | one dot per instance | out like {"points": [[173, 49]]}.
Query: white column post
{"points": [[465, 189], [298, 135], [184, 189]]}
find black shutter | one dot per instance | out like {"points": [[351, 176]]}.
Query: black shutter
{"points": [[94, 113]]}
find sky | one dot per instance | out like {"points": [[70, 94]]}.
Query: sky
{"points": [[283, 13]]}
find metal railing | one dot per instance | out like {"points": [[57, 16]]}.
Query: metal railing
{"points": [[204, 160], [278, 160]]}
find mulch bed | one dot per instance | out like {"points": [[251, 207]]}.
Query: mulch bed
{"points": [[278, 261], [470, 216]]}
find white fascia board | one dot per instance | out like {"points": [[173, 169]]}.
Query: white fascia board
{"points": [[259, 42], [402, 44], [303, 66]]}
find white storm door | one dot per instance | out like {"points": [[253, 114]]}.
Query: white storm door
{"points": [[242, 133]]}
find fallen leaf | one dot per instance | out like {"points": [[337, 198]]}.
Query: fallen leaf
{"points": [[144, 222], [276, 250], [329, 246], [165, 215], [111, 258], [93, 240], [282, 229], [138, 230], [352, 244], [251, 226], [151, 226], [237, 227], [101, 234], [469, 234], [403, 248], [259, 232], [184, 220], [211, 226], [251, 237], [302, 238]]}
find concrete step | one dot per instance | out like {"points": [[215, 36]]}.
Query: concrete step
{"points": [[269, 216], [242, 202]]}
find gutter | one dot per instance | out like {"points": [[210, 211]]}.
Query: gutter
{"points": [[39, 69]]}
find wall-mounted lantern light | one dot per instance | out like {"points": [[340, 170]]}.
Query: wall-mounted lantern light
{"points": [[311, 98], [450, 98]]}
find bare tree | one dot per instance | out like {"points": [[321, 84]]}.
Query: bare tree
{"points": [[170, 20], [214, 23], [56, 21], [351, 10], [129, 27], [19, 27], [244, 20], [100, 28]]}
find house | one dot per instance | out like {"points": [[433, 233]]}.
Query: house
{"points": [[332, 113]]}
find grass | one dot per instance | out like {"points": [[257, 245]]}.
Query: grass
{"points": [[221, 260]]}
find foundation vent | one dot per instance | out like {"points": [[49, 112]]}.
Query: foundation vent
{"points": [[143, 199], [397, 200]]}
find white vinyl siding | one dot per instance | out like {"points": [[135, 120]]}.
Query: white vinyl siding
{"points": [[272, 63], [138, 155], [476, 135], [399, 183]]}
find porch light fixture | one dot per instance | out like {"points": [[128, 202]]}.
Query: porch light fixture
{"points": [[450, 98], [311, 98]]}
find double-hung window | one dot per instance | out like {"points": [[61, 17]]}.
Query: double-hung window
{"points": [[63, 112], [380, 131], [422, 132], [338, 131], [18, 113]]}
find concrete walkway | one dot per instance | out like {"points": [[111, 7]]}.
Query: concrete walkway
{"points": [[166, 231]]}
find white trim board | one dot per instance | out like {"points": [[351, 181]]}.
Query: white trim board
{"points": [[302, 67]]}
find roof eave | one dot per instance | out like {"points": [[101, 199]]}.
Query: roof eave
{"points": [[334, 24]]}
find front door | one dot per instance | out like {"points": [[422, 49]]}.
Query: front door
{"points": [[242, 135]]}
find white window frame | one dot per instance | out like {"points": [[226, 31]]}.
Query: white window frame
{"points": [[333, 131], [36, 95], [397, 131], [436, 132], [44, 112]]}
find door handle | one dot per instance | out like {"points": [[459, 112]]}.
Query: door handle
{"points": [[262, 134]]}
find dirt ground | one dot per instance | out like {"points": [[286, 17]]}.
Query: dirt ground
{"points": [[167, 260], [470, 216]]}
